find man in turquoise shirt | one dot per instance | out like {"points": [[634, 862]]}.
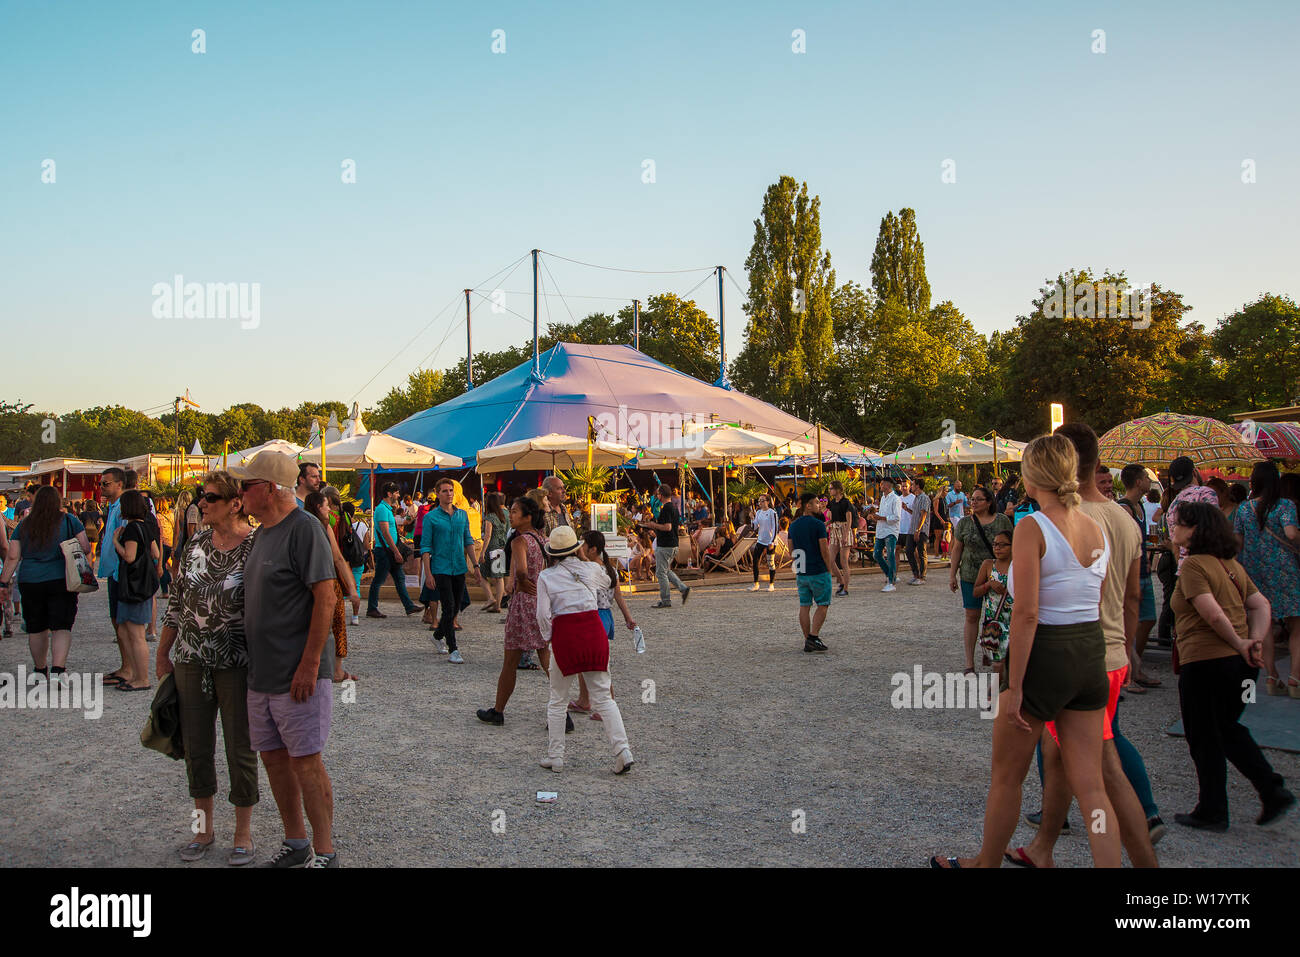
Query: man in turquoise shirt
{"points": [[112, 482], [447, 552], [388, 559]]}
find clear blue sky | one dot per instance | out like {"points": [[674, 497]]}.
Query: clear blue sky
{"points": [[225, 167]]}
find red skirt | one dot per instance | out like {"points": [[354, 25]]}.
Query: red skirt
{"points": [[579, 643]]}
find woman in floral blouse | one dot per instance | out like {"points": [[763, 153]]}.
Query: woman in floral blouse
{"points": [[203, 643]]}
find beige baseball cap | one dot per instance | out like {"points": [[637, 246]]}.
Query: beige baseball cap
{"points": [[268, 466]]}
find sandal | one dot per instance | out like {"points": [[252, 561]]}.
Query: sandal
{"points": [[127, 687], [576, 708], [1146, 682], [952, 864], [595, 716], [1131, 688], [1019, 858]]}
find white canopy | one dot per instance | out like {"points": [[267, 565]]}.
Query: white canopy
{"points": [[275, 445], [723, 444], [553, 451], [376, 449], [953, 450]]}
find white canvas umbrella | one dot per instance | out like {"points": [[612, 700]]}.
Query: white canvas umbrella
{"points": [[378, 450], [275, 445], [374, 450], [718, 446], [553, 451], [724, 444]]}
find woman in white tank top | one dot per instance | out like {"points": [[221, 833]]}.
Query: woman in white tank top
{"points": [[1056, 659]]}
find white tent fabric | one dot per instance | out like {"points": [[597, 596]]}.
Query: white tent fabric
{"points": [[552, 451], [953, 450], [276, 445], [198, 449], [727, 443], [376, 449]]}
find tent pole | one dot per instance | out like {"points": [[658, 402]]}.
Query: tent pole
{"points": [[537, 375], [469, 348]]}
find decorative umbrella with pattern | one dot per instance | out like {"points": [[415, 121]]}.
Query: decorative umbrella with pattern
{"points": [[1156, 440], [1276, 440]]}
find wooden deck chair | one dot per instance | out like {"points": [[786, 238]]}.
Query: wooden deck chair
{"points": [[736, 560]]}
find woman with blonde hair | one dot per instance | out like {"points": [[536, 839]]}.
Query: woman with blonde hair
{"points": [[1055, 669]]}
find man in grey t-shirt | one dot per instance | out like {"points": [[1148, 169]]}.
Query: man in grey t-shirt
{"points": [[916, 544], [288, 605]]}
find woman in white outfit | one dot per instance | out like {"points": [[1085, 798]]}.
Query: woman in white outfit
{"points": [[569, 621]]}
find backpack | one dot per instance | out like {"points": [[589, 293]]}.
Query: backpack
{"points": [[1027, 506], [350, 544]]}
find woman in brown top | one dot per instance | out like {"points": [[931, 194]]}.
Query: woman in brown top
{"points": [[1220, 619]]}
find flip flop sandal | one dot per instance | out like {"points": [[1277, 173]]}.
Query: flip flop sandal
{"points": [[1131, 688], [1148, 682], [126, 687], [595, 716], [953, 864], [1019, 858], [575, 708], [114, 679]]}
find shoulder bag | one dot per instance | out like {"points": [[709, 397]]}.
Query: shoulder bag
{"points": [[78, 575]]}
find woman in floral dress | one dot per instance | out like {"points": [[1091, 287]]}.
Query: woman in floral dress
{"points": [[995, 613], [522, 631], [1270, 540]]}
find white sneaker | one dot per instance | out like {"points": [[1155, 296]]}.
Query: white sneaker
{"points": [[440, 645], [755, 588], [889, 587], [915, 581], [555, 764], [455, 658], [356, 619], [623, 763], [771, 587]]}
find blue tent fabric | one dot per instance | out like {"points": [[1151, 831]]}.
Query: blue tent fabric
{"points": [[634, 398]]}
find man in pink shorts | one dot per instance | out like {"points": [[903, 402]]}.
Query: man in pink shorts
{"points": [[288, 606]]}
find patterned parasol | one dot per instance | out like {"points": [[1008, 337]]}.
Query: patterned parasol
{"points": [[1156, 440], [1277, 440]]}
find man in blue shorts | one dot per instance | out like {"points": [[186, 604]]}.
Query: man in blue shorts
{"points": [[812, 562]]}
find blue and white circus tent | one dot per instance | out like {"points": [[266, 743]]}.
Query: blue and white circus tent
{"points": [[633, 398]]}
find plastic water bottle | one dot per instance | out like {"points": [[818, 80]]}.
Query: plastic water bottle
{"points": [[638, 640]]}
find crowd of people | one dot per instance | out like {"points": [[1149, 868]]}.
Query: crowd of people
{"points": [[1055, 569]]}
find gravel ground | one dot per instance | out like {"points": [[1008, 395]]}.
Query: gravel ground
{"points": [[744, 731]]}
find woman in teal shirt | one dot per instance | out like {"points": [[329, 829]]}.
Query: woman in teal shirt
{"points": [[49, 609]]}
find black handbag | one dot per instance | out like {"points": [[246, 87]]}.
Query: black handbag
{"points": [[138, 581]]}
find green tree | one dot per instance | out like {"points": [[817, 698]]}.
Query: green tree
{"points": [[1260, 348], [898, 263], [424, 388], [20, 434], [1102, 369], [789, 334], [676, 332]]}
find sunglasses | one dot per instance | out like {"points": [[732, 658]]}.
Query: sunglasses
{"points": [[212, 498], [246, 484]]}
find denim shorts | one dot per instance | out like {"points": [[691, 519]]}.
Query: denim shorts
{"points": [[133, 612], [968, 599], [814, 589]]}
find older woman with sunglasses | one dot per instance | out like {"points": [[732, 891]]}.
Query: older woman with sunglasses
{"points": [[203, 643]]}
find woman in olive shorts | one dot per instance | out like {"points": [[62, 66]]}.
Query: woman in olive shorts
{"points": [[1056, 660]]}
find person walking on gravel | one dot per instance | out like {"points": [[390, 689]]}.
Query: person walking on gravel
{"points": [[568, 617], [765, 548], [812, 563], [666, 528]]}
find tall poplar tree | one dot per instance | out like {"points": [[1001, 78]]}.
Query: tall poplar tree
{"points": [[788, 337], [898, 264]]}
